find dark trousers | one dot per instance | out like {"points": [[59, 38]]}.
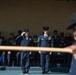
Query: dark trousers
{"points": [[11, 60], [45, 60], [18, 57], [73, 67], [25, 61]]}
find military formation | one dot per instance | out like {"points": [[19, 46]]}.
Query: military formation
{"points": [[12, 58], [43, 59]]}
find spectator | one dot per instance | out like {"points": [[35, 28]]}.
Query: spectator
{"points": [[18, 41], [11, 56], [35, 55], [55, 38], [11, 36], [69, 39], [2, 53], [1, 35]]}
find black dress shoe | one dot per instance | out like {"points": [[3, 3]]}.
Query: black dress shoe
{"points": [[43, 72], [25, 72], [46, 73]]}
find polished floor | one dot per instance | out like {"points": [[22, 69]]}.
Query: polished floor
{"points": [[33, 71]]}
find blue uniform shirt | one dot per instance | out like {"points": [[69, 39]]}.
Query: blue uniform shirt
{"points": [[44, 41], [26, 41]]}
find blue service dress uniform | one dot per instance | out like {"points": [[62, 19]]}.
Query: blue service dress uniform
{"points": [[44, 41], [25, 59], [73, 66]]}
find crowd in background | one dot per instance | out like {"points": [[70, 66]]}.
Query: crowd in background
{"points": [[12, 58]]}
